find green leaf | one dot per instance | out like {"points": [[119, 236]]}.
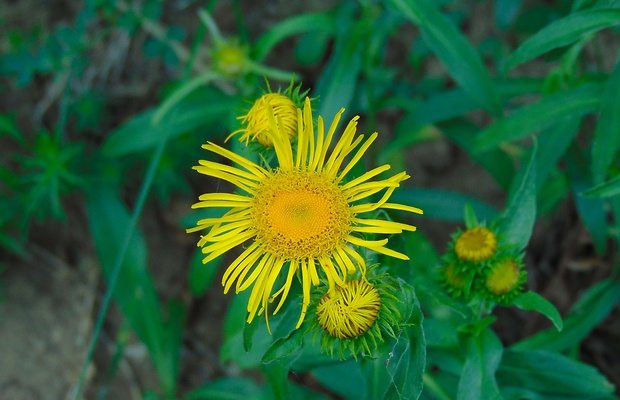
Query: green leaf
{"points": [[229, 388], [606, 138], [247, 345], [471, 221], [135, 291], [8, 126], [605, 189], [452, 48], [288, 340], [482, 358], [296, 25], [506, 12], [248, 333], [233, 348], [552, 145], [593, 307], [438, 303], [337, 377], [442, 204], [495, 161], [407, 360], [423, 258], [518, 219], [200, 275], [478, 326], [168, 367], [205, 107], [540, 115], [336, 86], [277, 375], [311, 47], [452, 103], [284, 347], [562, 33], [532, 301], [592, 210], [552, 374], [551, 193]]}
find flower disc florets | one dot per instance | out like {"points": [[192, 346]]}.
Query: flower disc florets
{"points": [[504, 279], [300, 214], [476, 244]]}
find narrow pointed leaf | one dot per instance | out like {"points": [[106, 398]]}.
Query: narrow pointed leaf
{"points": [[443, 204], [605, 189], [339, 79], [520, 215], [532, 301], [483, 354], [593, 307], [454, 50], [550, 374], [540, 115], [606, 136], [289, 27], [562, 33]]}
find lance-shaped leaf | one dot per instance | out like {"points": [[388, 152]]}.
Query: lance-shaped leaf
{"points": [[562, 33], [542, 114], [452, 48]]}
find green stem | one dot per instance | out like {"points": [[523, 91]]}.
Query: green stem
{"points": [[194, 51], [182, 92], [211, 26], [269, 72]]}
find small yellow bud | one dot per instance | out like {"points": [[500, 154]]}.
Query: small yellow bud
{"points": [[476, 244]]}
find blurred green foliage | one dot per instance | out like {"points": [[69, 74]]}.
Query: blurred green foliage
{"points": [[373, 58]]}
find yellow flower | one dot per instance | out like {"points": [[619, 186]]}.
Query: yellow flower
{"points": [[349, 311], [257, 119], [230, 58], [299, 217], [503, 277], [353, 319], [476, 244]]}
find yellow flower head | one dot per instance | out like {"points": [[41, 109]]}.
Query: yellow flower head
{"points": [[349, 311], [257, 119], [230, 57], [503, 277], [301, 217], [476, 244], [353, 319]]}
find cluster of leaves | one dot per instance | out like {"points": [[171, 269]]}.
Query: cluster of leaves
{"points": [[451, 353]]}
